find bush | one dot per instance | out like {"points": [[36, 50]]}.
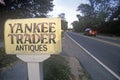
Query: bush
{"points": [[56, 68], [5, 59]]}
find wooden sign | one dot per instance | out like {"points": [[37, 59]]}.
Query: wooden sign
{"points": [[33, 36]]}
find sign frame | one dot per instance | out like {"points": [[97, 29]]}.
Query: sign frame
{"points": [[44, 38]]}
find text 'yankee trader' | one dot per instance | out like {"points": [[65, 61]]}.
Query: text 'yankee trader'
{"points": [[37, 35]]}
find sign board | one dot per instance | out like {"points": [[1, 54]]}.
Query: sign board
{"points": [[33, 36]]}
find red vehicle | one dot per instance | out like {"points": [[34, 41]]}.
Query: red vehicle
{"points": [[90, 32]]}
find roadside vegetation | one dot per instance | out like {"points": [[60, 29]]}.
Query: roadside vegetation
{"points": [[56, 68], [19, 9], [103, 15], [6, 60]]}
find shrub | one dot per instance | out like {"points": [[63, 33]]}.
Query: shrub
{"points": [[56, 68], [5, 59]]}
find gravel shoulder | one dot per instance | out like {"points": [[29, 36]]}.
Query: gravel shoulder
{"points": [[77, 70]]}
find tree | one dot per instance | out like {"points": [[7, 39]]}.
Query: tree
{"points": [[97, 12], [85, 9], [104, 8], [116, 12], [64, 23], [75, 25], [62, 16], [24, 9], [87, 19]]}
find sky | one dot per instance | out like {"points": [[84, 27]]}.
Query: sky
{"points": [[68, 7]]}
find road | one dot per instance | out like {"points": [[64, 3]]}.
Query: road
{"points": [[15, 72], [100, 56]]}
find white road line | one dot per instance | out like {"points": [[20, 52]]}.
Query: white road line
{"points": [[107, 68]]}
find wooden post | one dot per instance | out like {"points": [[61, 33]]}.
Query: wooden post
{"points": [[35, 65]]}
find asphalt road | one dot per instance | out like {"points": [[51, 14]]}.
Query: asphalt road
{"points": [[100, 56], [15, 72]]}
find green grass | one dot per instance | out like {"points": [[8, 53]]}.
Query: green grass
{"points": [[56, 68]]}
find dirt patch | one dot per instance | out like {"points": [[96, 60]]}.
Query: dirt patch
{"points": [[77, 72]]}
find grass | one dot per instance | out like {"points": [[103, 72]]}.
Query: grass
{"points": [[85, 75], [56, 68]]}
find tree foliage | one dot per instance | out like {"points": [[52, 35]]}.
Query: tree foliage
{"points": [[85, 9], [26, 8], [56, 68], [16, 9], [6, 60], [75, 24], [97, 12], [64, 23]]}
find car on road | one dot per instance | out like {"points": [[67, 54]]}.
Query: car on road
{"points": [[90, 32]]}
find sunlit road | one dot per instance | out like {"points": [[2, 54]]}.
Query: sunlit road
{"points": [[100, 56]]}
